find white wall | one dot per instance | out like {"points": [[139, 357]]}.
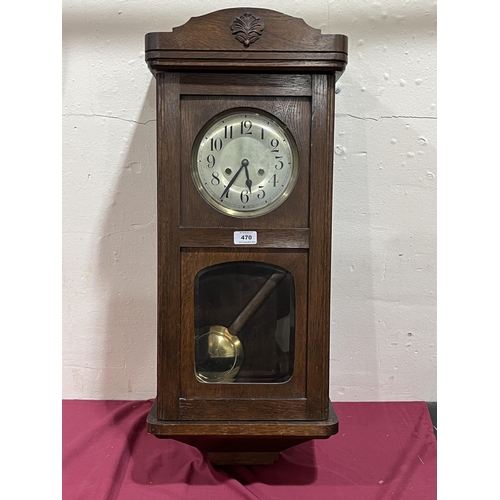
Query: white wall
{"points": [[383, 342]]}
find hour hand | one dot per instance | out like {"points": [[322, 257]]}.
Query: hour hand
{"points": [[248, 182]]}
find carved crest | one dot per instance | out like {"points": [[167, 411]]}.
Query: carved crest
{"points": [[247, 28]]}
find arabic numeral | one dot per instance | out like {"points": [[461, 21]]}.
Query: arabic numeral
{"points": [[215, 144], [244, 196], [215, 181], [246, 127], [210, 161]]}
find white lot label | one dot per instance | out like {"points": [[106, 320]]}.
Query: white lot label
{"points": [[245, 237]]}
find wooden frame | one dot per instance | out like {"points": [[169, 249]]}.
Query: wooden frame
{"points": [[284, 67], [285, 401]]}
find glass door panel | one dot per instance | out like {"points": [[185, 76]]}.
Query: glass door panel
{"points": [[244, 323]]}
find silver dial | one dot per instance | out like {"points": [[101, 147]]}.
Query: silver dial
{"points": [[245, 163]]}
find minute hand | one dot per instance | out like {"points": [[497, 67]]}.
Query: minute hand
{"points": [[231, 182]]}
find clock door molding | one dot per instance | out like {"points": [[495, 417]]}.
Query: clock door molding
{"points": [[233, 59]]}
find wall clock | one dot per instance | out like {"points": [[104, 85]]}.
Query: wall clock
{"points": [[245, 124]]}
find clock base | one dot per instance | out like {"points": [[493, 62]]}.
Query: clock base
{"points": [[242, 442]]}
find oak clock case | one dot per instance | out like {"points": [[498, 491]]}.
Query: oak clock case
{"points": [[245, 110]]}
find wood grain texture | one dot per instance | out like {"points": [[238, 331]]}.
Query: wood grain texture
{"points": [[249, 64], [318, 325], [169, 300], [224, 238], [255, 84], [242, 408], [227, 428], [207, 43], [298, 60], [212, 34]]}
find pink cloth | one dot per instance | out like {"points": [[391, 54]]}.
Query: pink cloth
{"points": [[382, 450]]}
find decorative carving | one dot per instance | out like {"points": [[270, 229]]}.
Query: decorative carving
{"points": [[247, 29]]}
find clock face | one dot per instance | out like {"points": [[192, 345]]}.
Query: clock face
{"points": [[244, 163]]}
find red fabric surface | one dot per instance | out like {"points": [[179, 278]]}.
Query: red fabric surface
{"points": [[382, 450]]}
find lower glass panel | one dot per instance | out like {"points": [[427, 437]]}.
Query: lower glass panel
{"points": [[244, 323]]}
